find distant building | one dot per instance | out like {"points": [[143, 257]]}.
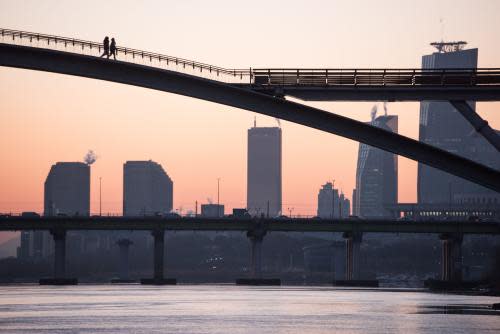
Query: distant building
{"points": [[264, 171], [331, 204], [26, 247], [67, 190], [147, 189], [355, 207], [345, 206], [212, 210], [442, 126], [376, 175], [67, 193]]}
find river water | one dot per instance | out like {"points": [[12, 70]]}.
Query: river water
{"points": [[234, 309]]}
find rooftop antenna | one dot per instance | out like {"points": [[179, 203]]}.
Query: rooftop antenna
{"points": [[218, 203], [441, 22], [100, 197]]}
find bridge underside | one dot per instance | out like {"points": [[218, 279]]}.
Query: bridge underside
{"points": [[209, 90], [381, 93]]}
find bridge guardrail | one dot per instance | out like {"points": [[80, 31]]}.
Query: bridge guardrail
{"points": [[268, 77], [377, 77], [126, 54]]}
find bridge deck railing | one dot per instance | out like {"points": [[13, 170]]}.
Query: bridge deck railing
{"points": [[377, 77], [125, 54], [277, 77]]}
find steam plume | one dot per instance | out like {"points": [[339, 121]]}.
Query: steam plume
{"points": [[90, 157], [373, 113]]}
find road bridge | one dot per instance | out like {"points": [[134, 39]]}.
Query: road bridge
{"points": [[241, 89], [450, 232], [113, 223]]}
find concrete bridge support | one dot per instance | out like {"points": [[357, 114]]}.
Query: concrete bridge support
{"points": [[158, 260], [59, 236], [256, 255], [451, 266], [352, 250], [124, 245], [353, 262], [256, 237], [451, 258]]}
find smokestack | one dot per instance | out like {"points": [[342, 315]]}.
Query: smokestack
{"points": [[373, 113], [90, 157], [278, 121], [385, 108]]}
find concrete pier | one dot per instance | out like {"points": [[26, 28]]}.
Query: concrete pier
{"points": [[353, 247], [159, 249], [451, 258], [353, 263], [451, 266], [256, 237], [124, 245], [60, 278]]}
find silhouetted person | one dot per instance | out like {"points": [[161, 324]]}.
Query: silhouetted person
{"points": [[105, 44], [113, 48]]}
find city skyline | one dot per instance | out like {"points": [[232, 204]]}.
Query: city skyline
{"points": [[204, 141], [265, 166]]}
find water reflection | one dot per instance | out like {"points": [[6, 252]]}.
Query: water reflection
{"points": [[459, 309], [212, 309]]}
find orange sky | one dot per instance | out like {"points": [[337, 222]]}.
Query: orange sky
{"points": [[46, 117]]}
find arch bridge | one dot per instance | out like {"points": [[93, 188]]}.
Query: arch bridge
{"points": [[264, 91]]}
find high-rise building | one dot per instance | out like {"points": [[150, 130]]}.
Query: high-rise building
{"points": [[147, 189], [67, 190], [376, 175], [331, 204], [264, 171], [441, 125]]}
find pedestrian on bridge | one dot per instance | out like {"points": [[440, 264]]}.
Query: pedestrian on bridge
{"points": [[113, 48], [105, 44]]}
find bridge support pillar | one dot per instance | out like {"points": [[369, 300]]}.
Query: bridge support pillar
{"points": [[159, 249], [256, 237], [352, 251], [256, 254], [353, 262], [451, 258], [124, 245], [451, 265], [59, 236]]}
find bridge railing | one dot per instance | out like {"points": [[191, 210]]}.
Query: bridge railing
{"points": [[125, 54], [267, 77], [377, 77]]}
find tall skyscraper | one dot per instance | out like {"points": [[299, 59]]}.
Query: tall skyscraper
{"points": [[441, 125], [264, 171], [67, 189], [331, 204], [376, 175], [147, 189]]}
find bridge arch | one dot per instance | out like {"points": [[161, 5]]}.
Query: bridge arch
{"points": [[182, 84]]}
